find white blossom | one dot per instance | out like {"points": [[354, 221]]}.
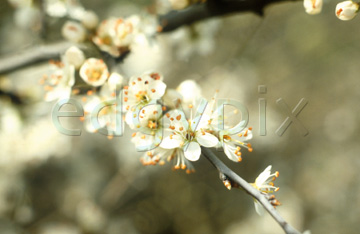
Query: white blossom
{"points": [[55, 8], [108, 115], [90, 20], [190, 91], [346, 10], [115, 35], [74, 32], [264, 183], [142, 90], [188, 135], [150, 127], [313, 7], [59, 82], [74, 56], [232, 144], [94, 72]]}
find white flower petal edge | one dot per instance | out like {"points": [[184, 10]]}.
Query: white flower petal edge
{"points": [[259, 208], [171, 142], [206, 139], [193, 151], [261, 179], [156, 89], [230, 153]]}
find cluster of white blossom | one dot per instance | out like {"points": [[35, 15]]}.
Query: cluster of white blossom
{"points": [[114, 36], [345, 10], [28, 12], [165, 129], [168, 124]]}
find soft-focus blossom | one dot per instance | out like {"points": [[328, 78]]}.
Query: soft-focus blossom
{"points": [[179, 4], [55, 8], [188, 135], [313, 7], [107, 116], [113, 85], [74, 56], [58, 84], [346, 10], [115, 35], [94, 72], [73, 32], [197, 39], [190, 91], [264, 183], [28, 18], [61, 8], [90, 20]]}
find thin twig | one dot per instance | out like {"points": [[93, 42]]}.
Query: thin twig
{"points": [[218, 164]]}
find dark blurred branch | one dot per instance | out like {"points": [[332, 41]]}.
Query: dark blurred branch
{"points": [[168, 22], [33, 55], [223, 169], [212, 8], [14, 98]]}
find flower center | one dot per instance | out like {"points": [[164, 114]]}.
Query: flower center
{"points": [[189, 135], [94, 74], [152, 124], [141, 96]]}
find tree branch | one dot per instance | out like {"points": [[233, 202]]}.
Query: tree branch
{"points": [[222, 168], [33, 55], [168, 22], [212, 8]]}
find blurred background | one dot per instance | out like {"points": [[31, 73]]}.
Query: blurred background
{"points": [[51, 183]]}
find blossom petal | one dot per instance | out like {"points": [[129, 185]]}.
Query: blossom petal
{"points": [[263, 176], [230, 153], [171, 142], [193, 151], [259, 208], [206, 139], [156, 89]]}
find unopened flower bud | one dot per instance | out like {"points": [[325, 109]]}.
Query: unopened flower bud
{"points": [[346, 10], [90, 20], [74, 56], [313, 7], [74, 32]]}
